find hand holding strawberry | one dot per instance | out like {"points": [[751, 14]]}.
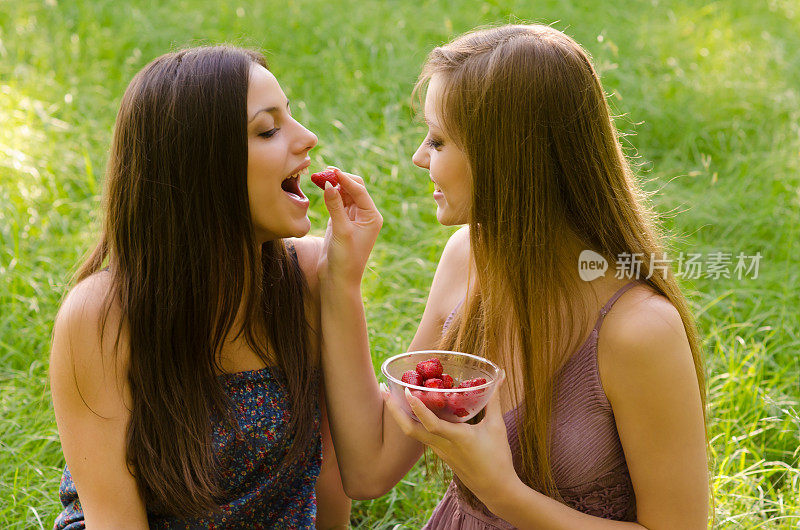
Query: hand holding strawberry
{"points": [[479, 454], [352, 229]]}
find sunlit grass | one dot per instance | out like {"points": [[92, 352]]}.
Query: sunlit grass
{"points": [[708, 94]]}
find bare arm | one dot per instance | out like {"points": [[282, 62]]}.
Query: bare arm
{"points": [[374, 453], [333, 506], [89, 393], [649, 377], [650, 380], [448, 289]]}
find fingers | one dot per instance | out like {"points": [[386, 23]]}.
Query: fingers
{"points": [[354, 177], [409, 427], [335, 206], [494, 411], [356, 190], [493, 407], [407, 424], [346, 199], [355, 197], [435, 426]]}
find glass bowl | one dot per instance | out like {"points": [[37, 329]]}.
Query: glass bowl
{"points": [[456, 405]]}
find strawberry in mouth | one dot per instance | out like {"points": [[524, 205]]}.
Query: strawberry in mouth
{"points": [[291, 186]]}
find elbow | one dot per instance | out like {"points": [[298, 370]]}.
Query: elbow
{"points": [[362, 488], [362, 494]]}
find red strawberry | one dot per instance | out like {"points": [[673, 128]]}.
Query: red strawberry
{"points": [[412, 378], [433, 400], [434, 383], [432, 368], [447, 381], [417, 394], [462, 402], [460, 412], [469, 383], [322, 177]]}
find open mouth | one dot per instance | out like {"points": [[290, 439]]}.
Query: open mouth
{"points": [[291, 185]]}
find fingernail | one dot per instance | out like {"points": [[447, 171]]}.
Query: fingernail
{"points": [[327, 184]]}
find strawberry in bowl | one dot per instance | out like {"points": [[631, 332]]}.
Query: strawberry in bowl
{"points": [[454, 385]]}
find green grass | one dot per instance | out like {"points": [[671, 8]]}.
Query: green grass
{"points": [[708, 95]]}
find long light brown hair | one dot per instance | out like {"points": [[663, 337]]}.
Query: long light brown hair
{"points": [[179, 243], [526, 106]]}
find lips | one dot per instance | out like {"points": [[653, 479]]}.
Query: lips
{"points": [[291, 186], [437, 191]]}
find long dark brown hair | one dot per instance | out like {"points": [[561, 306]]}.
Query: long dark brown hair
{"points": [[179, 243], [526, 106]]}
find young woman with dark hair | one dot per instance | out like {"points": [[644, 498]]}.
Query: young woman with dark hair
{"points": [[185, 360], [601, 421]]}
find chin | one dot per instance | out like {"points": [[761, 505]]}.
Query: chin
{"points": [[304, 229], [296, 229], [448, 218]]}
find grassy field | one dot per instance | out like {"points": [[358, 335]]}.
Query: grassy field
{"points": [[708, 95]]}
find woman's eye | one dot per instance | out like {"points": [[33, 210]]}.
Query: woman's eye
{"points": [[270, 133], [433, 143]]}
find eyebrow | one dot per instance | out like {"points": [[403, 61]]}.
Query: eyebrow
{"points": [[431, 123], [267, 109]]}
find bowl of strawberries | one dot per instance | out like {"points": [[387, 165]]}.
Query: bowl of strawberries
{"points": [[453, 385]]}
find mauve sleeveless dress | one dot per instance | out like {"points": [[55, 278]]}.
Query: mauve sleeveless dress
{"points": [[586, 454]]}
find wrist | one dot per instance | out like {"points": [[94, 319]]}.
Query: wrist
{"points": [[339, 285], [503, 497]]}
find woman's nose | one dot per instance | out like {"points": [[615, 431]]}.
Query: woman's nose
{"points": [[305, 139], [421, 158]]}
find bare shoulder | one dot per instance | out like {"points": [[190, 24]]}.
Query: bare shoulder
{"points": [[453, 266], [309, 249], [85, 308], [92, 404], [448, 288], [457, 246], [85, 355], [643, 338], [649, 376], [452, 274], [639, 317]]}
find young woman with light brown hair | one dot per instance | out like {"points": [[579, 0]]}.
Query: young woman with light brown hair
{"points": [[601, 422]]}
